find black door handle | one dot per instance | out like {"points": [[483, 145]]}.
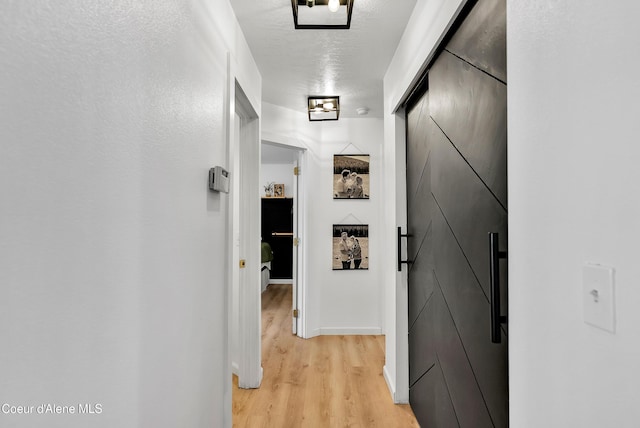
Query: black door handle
{"points": [[494, 267], [400, 261]]}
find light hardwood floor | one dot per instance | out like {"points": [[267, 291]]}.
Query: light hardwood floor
{"points": [[327, 381]]}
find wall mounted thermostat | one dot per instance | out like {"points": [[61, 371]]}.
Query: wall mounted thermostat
{"points": [[219, 179]]}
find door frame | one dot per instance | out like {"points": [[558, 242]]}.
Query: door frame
{"points": [[298, 300], [396, 369], [244, 224]]}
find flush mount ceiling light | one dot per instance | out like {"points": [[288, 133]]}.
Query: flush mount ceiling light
{"points": [[323, 108], [322, 14]]}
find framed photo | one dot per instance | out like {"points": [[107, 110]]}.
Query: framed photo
{"points": [[350, 246], [278, 190], [350, 176]]}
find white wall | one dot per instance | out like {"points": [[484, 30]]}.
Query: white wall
{"points": [[277, 167], [573, 93], [427, 26], [337, 302], [281, 173], [573, 71], [112, 270]]}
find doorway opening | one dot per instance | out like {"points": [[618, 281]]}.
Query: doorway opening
{"points": [[245, 329], [281, 231]]}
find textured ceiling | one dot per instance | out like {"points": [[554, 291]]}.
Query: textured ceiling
{"points": [[349, 63]]}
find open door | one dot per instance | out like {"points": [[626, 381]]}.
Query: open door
{"points": [[295, 312], [283, 222], [299, 215]]}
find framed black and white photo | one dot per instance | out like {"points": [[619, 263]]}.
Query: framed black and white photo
{"points": [[350, 246], [278, 190], [350, 176]]}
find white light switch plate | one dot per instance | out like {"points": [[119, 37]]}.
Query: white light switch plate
{"points": [[598, 296]]}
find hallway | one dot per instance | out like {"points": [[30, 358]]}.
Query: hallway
{"points": [[327, 381], [117, 258]]}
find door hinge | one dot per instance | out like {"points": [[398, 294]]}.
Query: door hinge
{"points": [[296, 242], [296, 313], [243, 263], [296, 170]]}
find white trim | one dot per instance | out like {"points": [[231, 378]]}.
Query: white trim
{"points": [[234, 242], [301, 279], [429, 23], [418, 48], [390, 383], [280, 281], [301, 273], [392, 389], [283, 141], [229, 122], [402, 279], [296, 248], [349, 331], [250, 373]]}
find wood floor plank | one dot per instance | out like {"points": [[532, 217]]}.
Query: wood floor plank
{"points": [[327, 381]]}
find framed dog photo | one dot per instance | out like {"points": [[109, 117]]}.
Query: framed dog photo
{"points": [[350, 176], [350, 246]]}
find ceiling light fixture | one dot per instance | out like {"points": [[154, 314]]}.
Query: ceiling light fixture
{"points": [[335, 16], [323, 108]]}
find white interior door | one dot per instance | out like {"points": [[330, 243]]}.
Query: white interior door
{"points": [[296, 246]]}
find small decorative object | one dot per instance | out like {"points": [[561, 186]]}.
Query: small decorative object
{"points": [[268, 189], [350, 176], [278, 190], [350, 246]]}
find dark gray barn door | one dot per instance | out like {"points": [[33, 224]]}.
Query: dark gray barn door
{"points": [[456, 195]]}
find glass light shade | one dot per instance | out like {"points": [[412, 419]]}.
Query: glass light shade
{"points": [[323, 107], [325, 15]]}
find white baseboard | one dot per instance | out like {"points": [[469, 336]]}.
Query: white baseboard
{"points": [[280, 281], [392, 388], [235, 369], [349, 331], [391, 385]]}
